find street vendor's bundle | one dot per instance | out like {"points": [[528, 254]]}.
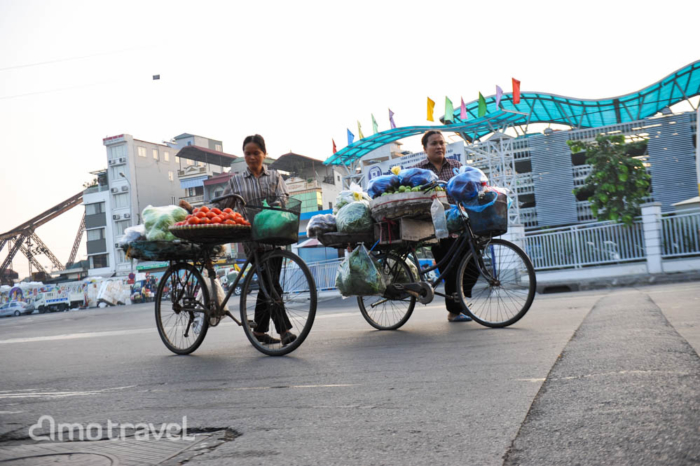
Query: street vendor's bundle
{"points": [[358, 275], [158, 221], [355, 218], [275, 219], [467, 183], [348, 196], [382, 184], [488, 213], [212, 225], [456, 220], [319, 224], [412, 197]]}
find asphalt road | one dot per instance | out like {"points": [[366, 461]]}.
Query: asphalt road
{"points": [[601, 377]]}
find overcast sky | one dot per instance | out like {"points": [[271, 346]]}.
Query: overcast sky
{"points": [[299, 73]]}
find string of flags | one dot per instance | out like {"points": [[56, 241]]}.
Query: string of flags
{"points": [[482, 110]]}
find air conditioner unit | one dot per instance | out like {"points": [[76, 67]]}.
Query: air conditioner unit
{"points": [[127, 215], [115, 190], [111, 162], [116, 245], [116, 217], [122, 160], [125, 188]]}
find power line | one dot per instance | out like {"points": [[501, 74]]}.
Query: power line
{"points": [[59, 60]]}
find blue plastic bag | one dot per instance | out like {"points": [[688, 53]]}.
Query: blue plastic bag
{"points": [[466, 184], [455, 220], [380, 184], [416, 177]]}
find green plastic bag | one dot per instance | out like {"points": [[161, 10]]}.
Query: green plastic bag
{"points": [[274, 224], [158, 220], [358, 275], [355, 218]]}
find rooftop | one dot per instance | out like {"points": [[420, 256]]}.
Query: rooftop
{"points": [[203, 154]]}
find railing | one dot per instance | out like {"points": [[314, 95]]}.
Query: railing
{"points": [[580, 173], [528, 216], [194, 199], [96, 189], [323, 272], [525, 184], [681, 234], [583, 211], [585, 245]]}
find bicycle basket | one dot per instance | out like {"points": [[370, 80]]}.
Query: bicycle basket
{"points": [[491, 221], [274, 220]]}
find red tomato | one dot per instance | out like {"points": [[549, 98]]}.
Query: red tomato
{"points": [[193, 221], [229, 222], [204, 209], [216, 219], [195, 210], [200, 215], [216, 210], [211, 215], [228, 210], [205, 221]]}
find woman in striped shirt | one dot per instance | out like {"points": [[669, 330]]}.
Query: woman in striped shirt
{"points": [[258, 182]]}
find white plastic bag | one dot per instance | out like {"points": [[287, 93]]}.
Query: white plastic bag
{"points": [[132, 234], [348, 196], [437, 211]]}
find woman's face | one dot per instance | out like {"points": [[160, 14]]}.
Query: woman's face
{"points": [[435, 148], [254, 156]]}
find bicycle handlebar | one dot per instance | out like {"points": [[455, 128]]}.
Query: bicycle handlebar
{"points": [[228, 196]]}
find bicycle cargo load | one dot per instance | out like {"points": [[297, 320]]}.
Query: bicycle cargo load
{"points": [[488, 214], [213, 234], [408, 204], [166, 250], [274, 219]]}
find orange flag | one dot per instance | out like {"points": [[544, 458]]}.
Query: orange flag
{"points": [[516, 91], [334, 148]]}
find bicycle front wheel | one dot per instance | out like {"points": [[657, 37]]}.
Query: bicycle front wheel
{"points": [[506, 298], [181, 319], [278, 323], [389, 312]]}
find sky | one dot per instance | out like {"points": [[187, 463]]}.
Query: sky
{"points": [[299, 73]]}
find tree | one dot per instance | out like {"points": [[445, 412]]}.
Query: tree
{"points": [[618, 182]]}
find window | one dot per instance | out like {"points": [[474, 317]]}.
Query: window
{"points": [[119, 227], [97, 208], [166, 156], [96, 234], [330, 205], [141, 151], [190, 162], [121, 201], [99, 261], [218, 147], [155, 154], [117, 171], [121, 256], [338, 177], [218, 192], [177, 160], [116, 152], [170, 175], [201, 164]]}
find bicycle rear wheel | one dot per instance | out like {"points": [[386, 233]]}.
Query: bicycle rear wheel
{"points": [[291, 307], [506, 300], [389, 313], [181, 319]]}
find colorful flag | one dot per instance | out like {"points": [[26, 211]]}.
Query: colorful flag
{"points": [[449, 111], [359, 131], [499, 94], [463, 111], [482, 105], [431, 107], [351, 137], [516, 91], [335, 149], [391, 119], [375, 127]]}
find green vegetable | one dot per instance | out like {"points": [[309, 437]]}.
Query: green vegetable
{"points": [[358, 275], [158, 220], [355, 218]]}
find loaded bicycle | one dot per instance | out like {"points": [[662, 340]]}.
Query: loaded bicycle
{"points": [[502, 275], [278, 287]]}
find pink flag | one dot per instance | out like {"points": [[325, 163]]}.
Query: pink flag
{"points": [[391, 119], [463, 111], [499, 94]]}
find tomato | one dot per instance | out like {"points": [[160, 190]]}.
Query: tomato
{"points": [[195, 210], [200, 215], [228, 210], [210, 214], [229, 222], [216, 211], [216, 219], [193, 221], [205, 221], [204, 209]]}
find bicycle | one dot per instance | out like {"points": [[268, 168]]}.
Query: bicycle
{"points": [[286, 289], [503, 276]]}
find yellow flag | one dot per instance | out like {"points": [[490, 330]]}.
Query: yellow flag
{"points": [[431, 107], [359, 131]]}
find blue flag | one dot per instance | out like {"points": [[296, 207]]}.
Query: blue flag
{"points": [[351, 137]]}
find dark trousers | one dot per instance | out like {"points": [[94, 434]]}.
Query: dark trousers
{"points": [[471, 275], [264, 310]]}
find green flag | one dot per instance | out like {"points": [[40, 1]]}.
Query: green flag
{"points": [[449, 111], [482, 106], [374, 125]]}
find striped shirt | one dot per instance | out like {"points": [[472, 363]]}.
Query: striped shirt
{"points": [[446, 171]]}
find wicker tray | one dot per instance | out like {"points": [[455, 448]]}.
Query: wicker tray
{"points": [[405, 205], [213, 234], [168, 250], [341, 240]]}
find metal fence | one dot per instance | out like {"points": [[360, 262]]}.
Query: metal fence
{"points": [[323, 273], [585, 245], [681, 234]]}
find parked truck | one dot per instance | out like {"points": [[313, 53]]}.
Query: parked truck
{"points": [[56, 301]]}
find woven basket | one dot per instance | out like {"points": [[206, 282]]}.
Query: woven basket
{"points": [[405, 205], [213, 234], [341, 240], [167, 250]]}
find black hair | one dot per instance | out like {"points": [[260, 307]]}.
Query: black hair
{"points": [[426, 136], [256, 139]]}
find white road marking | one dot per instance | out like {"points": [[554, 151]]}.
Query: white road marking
{"points": [[74, 336], [46, 394]]}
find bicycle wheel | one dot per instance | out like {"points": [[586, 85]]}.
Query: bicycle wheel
{"points": [[181, 320], [389, 313], [506, 301], [290, 307]]}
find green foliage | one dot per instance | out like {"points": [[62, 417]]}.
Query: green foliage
{"points": [[618, 182]]}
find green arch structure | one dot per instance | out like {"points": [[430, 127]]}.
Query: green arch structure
{"points": [[540, 107]]}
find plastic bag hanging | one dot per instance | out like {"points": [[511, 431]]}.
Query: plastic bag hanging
{"points": [[467, 183], [358, 276], [437, 211], [380, 184]]}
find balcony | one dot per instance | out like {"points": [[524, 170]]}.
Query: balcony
{"points": [[191, 171], [525, 184], [296, 186], [580, 173], [96, 189], [194, 200], [96, 246], [95, 220]]}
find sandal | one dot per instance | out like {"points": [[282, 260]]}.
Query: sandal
{"points": [[460, 318], [266, 339], [288, 338]]}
